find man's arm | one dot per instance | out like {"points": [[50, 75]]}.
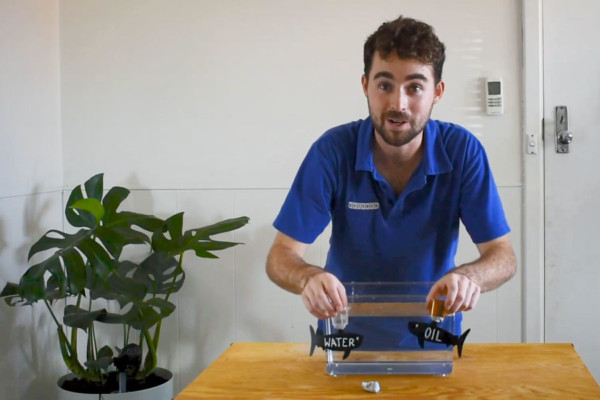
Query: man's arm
{"points": [[461, 286], [322, 293]]}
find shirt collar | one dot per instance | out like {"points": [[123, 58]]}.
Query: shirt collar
{"points": [[435, 160]]}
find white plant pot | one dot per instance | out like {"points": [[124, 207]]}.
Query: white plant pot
{"points": [[161, 392]]}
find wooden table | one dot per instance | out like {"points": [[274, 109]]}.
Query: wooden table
{"points": [[485, 371]]}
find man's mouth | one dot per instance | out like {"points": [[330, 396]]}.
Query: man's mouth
{"points": [[395, 121]]}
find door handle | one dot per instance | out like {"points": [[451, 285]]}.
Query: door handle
{"points": [[563, 136]]}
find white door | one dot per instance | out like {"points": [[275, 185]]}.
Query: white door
{"points": [[571, 37]]}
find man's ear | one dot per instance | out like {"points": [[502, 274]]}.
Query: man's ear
{"points": [[365, 83], [439, 91]]}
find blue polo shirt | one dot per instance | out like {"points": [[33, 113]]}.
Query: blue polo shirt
{"points": [[378, 236]]}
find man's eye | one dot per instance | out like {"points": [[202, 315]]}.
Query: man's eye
{"points": [[386, 87], [416, 88]]}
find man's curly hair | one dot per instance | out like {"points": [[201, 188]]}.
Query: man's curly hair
{"points": [[410, 39]]}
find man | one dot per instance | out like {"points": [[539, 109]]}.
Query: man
{"points": [[395, 186]]}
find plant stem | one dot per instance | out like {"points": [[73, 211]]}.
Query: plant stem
{"points": [[73, 329], [159, 324], [69, 355], [150, 361], [90, 344], [179, 268], [90, 337], [95, 342], [52, 313]]}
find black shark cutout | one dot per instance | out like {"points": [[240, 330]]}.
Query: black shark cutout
{"points": [[340, 341], [431, 332]]}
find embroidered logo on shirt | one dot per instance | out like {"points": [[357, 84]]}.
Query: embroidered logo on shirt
{"points": [[363, 206]]}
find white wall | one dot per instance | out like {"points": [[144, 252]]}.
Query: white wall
{"points": [[188, 94], [30, 183], [208, 107], [31, 151]]}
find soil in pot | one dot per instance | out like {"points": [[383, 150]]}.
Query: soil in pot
{"points": [[74, 384]]}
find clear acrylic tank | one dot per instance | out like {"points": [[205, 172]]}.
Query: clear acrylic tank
{"points": [[381, 313]]}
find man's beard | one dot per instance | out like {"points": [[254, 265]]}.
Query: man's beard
{"points": [[403, 138]]}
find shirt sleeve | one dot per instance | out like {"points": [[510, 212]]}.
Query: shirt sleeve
{"points": [[480, 204], [306, 210]]}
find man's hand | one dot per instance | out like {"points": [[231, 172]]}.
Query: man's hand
{"points": [[461, 286], [324, 295], [460, 291]]}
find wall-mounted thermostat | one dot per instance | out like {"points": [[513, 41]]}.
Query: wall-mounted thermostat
{"points": [[494, 96]]}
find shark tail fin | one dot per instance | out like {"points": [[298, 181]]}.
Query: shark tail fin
{"points": [[313, 340], [461, 341], [346, 354]]}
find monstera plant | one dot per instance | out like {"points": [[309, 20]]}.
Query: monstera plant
{"points": [[81, 272]]}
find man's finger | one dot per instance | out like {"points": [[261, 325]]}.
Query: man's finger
{"points": [[467, 300], [310, 307], [341, 295], [474, 298], [462, 293], [451, 292]]}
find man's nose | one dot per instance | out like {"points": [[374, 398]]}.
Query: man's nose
{"points": [[399, 100]]}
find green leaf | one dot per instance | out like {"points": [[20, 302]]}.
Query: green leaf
{"points": [[11, 294], [55, 287], [94, 186], [101, 262], [160, 243], [46, 242], [162, 272], [55, 294], [10, 289], [174, 225], [103, 359], [117, 237], [31, 285], [120, 319], [76, 270], [78, 318], [221, 227], [197, 239], [84, 218], [128, 289], [113, 199], [100, 363], [117, 232], [78, 219], [202, 247], [143, 316], [92, 206], [105, 351], [120, 287], [165, 308], [126, 267], [126, 218]]}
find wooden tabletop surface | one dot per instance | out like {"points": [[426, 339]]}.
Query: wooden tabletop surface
{"points": [[485, 371]]}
